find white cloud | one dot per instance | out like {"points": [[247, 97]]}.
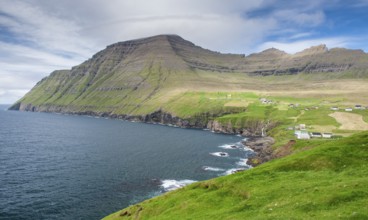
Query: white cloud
{"points": [[8, 96], [300, 18], [300, 35]]}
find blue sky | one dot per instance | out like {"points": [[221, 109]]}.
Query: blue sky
{"points": [[37, 36]]}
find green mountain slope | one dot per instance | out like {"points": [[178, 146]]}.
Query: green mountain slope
{"points": [[327, 182], [143, 76]]}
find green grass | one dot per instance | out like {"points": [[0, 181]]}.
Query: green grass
{"points": [[328, 181], [317, 117]]}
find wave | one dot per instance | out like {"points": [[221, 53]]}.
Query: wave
{"points": [[169, 185], [229, 146], [233, 170], [243, 163], [215, 169], [220, 154]]}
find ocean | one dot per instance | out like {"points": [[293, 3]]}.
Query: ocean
{"points": [[55, 166]]}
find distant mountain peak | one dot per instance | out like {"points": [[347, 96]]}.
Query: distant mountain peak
{"points": [[322, 48], [274, 51]]}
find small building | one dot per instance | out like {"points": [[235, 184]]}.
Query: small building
{"points": [[302, 126], [316, 134], [302, 135], [348, 109], [334, 108], [358, 107], [265, 101], [326, 135]]}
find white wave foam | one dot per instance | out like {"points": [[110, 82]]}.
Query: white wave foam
{"points": [[234, 170], [229, 146], [246, 148], [220, 154], [215, 169], [243, 163], [169, 185]]}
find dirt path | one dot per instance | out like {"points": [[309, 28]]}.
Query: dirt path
{"points": [[297, 117], [350, 121]]}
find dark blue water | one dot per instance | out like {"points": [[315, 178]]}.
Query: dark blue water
{"points": [[76, 167]]}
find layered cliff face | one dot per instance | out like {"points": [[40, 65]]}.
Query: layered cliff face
{"points": [[143, 78]]}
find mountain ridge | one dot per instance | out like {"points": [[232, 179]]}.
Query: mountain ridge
{"points": [[143, 76]]}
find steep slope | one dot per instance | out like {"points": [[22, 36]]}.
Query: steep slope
{"points": [[326, 182], [120, 77], [140, 77]]}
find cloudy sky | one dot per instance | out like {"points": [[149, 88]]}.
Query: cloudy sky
{"points": [[38, 36]]}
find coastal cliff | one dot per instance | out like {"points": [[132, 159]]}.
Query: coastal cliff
{"points": [[200, 121]]}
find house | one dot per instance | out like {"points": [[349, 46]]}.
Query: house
{"points": [[326, 135], [348, 109], [302, 135], [262, 99], [358, 107], [316, 134], [265, 101], [334, 108], [302, 126]]}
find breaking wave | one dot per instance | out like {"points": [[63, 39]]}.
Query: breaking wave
{"points": [[214, 169], [170, 185], [229, 146], [243, 163], [220, 154], [233, 170]]}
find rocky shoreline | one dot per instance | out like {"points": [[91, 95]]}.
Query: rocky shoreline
{"points": [[252, 128], [262, 146]]}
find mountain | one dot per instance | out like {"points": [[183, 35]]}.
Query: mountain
{"points": [[140, 77]]}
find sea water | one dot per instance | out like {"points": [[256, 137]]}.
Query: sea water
{"points": [[55, 166]]}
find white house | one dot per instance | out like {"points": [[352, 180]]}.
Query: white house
{"points": [[302, 135], [334, 108], [326, 135], [316, 134], [348, 109], [302, 126], [358, 107]]}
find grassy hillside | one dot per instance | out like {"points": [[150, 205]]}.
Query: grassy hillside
{"points": [[329, 181], [166, 72]]}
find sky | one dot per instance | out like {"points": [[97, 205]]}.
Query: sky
{"points": [[38, 36]]}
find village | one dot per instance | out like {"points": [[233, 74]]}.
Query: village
{"points": [[301, 130]]}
